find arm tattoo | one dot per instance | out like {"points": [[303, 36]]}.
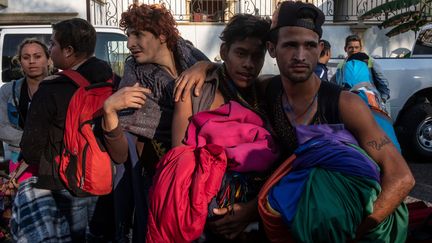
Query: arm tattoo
{"points": [[377, 145]]}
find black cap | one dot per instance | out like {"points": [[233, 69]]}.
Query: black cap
{"points": [[290, 13]]}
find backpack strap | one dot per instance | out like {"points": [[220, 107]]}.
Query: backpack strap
{"points": [[76, 77], [370, 62]]}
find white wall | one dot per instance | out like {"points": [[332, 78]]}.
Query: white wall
{"points": [[378, 44], [335, 34], [206, 38], [375, 42], [22, 6]]}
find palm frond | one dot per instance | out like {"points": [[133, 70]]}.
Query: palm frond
{"points": [[389, 7], [412, 25], [400, 18]]}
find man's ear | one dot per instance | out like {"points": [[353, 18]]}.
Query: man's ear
{"points": [[271, 49], [321, 48], [162, 39], [68, 51], [223, 51]]}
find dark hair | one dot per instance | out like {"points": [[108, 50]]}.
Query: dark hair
{"points": [[305, 14], [326, 48], [273, 36], [154, 18], [242, 26], [77, 33], [351, 38]]}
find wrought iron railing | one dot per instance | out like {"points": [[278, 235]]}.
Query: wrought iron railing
{"points": [[108, 12]]}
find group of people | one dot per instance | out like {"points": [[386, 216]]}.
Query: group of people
{"points": [[211, 165], [360, 74], [353, 46]]}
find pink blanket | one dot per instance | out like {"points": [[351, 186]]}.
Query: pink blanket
{"points": [[188, 177], [248, 145]]}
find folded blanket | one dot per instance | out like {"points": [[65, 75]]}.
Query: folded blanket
{"points": [[330, 188], [248, 145], [188, 177], [185, 182]]}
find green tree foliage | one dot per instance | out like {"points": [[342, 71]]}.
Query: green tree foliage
{"points": [[410, 15]]}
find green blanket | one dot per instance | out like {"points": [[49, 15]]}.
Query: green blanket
{"points": [[333, 205]]}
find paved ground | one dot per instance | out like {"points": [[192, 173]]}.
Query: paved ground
{"points": [[423, 176]]}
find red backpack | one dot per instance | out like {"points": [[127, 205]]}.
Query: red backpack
{"points": [[84, 166]]}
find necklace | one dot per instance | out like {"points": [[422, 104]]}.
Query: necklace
{"points": [[29, 92], [289, 111]]}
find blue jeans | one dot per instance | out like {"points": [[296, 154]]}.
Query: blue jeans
{"points": [[78, 212]]}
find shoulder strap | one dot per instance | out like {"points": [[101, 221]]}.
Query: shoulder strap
{"points": [[15, 99], [370, 62], [76, 77], [14, 96], [341, 64], [328, 101]]}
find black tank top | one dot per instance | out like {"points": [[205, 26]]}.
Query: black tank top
{"points": [[327, 112]]}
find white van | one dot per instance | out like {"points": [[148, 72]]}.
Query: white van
{"points": [[110, 46]]}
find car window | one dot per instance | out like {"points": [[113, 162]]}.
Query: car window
{"points": [[11, 70], [110, 47], [423, 45]]}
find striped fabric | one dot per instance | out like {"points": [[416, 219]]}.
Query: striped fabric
{"points": [[35, 217]]}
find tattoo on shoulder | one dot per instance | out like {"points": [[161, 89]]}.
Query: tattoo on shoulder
{"points": [[377, 145]]}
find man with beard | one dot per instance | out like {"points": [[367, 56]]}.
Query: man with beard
{"points": [[298, 97]]}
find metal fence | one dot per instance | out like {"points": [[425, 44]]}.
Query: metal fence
{"points": [[108, 12]]}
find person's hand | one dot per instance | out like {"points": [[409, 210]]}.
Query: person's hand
{"points": [[126, 97], [364, 227], [9, 187], [193, 76], [233, 223]]}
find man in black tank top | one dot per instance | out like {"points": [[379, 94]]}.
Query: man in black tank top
{"points": [[298, 97]]}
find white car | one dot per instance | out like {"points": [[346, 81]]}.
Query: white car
{"points": [[410, 84]]}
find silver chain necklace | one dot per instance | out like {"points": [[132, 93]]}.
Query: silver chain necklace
{"points": [[289, 111]]}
